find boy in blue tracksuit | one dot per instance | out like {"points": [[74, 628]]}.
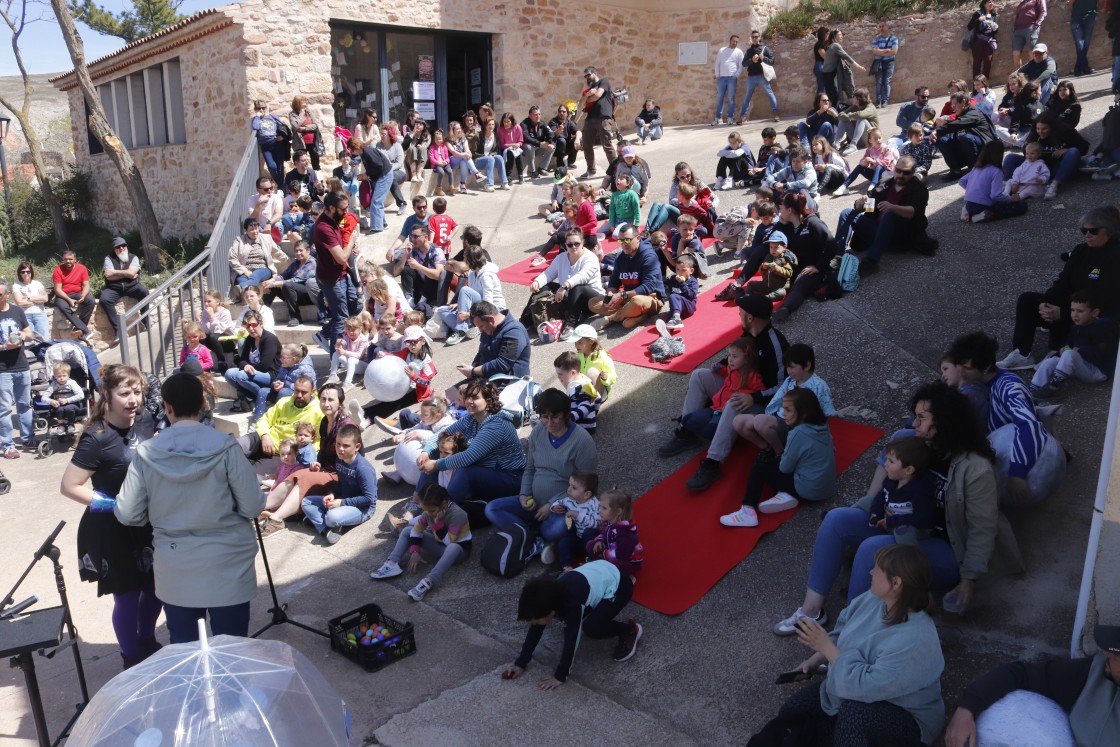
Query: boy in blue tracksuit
{"points": [[355, 496]]}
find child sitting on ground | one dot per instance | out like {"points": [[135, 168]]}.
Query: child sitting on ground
{"points": [[768, 148], [735, 163], [777, 273], [579, 509], [907, 503], [448, 444], [594, 361], [918, 147], [984, 199], [585, 218], [193, 333], [683, 290], [1030, 177], [761, 227], [625, 209], [349, 351], [441, 531], [583, 394], [1090, 353], [567, 220], [806, 470], [417, 356], [221, 334], [289, 465], [617, 541], [387, 341], [65, 398], [354, 499], [294, 363], [563, 188], [767, 431], [876, 162], [691, 204]]}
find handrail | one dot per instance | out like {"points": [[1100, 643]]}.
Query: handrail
{"points": [[151, 331]]}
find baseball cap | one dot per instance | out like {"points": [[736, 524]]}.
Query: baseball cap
{"points": [[584, 332], [755, 305], [629, 151], [1040, 47], [1107, 637], [560, 175], [118, 241], [777, 237], [415, 332]]}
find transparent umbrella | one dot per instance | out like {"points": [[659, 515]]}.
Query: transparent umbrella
{"points": [[224, 692]]}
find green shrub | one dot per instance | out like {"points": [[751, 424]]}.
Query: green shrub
{"points": [[30, 220], [5, 228], [74, 194], [800, 21]]}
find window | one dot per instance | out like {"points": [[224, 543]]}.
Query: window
{"points": [[145, 108]]}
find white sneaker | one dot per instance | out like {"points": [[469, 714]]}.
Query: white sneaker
{"points": [[1100, 176], [780, 502], [744, 517], [354, 410], [1016, 361], [1051, 191], [719, 182], [393, 476], [789, 625], [840, 191], [548, 555], [727, 184], [675, 323], [848, 150], [388, 569], [416, 593]]}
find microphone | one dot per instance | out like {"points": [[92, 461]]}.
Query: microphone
{"points": [[18, 608], [45, 547]]}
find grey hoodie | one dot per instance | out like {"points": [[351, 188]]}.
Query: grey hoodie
{"points": [[199, 492]]}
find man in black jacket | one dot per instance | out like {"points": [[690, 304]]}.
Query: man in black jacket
{"points": [[757, 54], [961, 137], [538, 143], [1087, 689]]}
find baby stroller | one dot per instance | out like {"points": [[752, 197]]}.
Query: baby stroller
{"points": [[57, 426]]}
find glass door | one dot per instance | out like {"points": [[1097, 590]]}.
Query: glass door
{"points": [[355, 73], [410, 75]]}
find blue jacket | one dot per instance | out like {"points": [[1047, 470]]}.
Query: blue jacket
{"points": [[357, 485], [1097, 342], [506, 351], [640, 273], [811, 459]]}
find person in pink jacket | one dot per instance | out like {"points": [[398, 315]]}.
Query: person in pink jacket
{"points": [[512, 141], [875, 163], [439, 158]]}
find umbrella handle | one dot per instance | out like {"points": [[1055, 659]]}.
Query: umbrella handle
{"points": [[208, 689]]}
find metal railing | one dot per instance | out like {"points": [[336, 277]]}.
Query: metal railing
{"points": [[152, 330]]}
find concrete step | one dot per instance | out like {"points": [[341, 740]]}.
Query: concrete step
{"points": [[279, 311], [319, 360]]}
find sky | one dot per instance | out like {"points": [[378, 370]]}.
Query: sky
{"points": [[45, 52]]}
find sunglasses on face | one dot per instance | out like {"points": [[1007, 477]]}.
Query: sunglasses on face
{"points": [[904, 172], [251, 325], [575, 245], [1091, 230]]}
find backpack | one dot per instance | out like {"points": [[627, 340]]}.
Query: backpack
{"points": [[507, 550], [847, 275], [518, 397]]}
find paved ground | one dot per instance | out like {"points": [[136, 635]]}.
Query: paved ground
{"points": [[704, 676]]}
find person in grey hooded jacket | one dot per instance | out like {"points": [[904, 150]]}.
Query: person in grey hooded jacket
{"points": [[199, 492]]}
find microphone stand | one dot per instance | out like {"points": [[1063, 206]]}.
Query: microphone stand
{"points": [[278, 610]]}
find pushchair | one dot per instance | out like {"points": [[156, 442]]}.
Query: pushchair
{"points": [[57, 427]]}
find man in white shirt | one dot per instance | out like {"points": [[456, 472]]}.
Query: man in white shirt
{"points": [[729, 64], [267, 205]]}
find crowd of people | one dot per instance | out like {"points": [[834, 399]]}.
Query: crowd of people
{"points": [[931, 521]]}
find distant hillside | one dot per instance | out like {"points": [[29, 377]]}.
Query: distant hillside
{"points": [[50, 116]]}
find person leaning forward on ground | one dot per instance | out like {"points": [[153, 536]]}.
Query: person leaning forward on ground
{"points": [[121, 271], [72, 296], [1086, 689], [635, 289], [279, 422], [198, 491], [598, 127], [503, 345], [960, 139]]}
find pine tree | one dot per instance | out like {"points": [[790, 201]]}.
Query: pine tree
{"points": [[146, 17]]}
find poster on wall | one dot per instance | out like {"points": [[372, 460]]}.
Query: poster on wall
{"points": [[426, 109], [476, 95], [426, 65], [476, 76], [422, 91]]}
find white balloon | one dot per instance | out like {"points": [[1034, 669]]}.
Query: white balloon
{"points": [[404, 460], [386, 380], [1024, 719]]}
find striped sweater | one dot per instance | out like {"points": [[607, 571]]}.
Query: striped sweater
{"points": [[451, 528], [493, 444], [1011, 403]]}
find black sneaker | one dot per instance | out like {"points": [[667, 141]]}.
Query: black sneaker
{"points": [[681, 442], [708, 472], [767, 456], [628, 642]]}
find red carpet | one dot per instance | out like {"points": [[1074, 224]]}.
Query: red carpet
{"points": [[687, 550]]}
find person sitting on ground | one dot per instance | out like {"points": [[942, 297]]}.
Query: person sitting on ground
{"points": [[908, 114], [1042, 69], [354, 498], [683, 290], [1088, 689], [594, 361], [1093, 264], [897, 223], [303, 173], [812, 244], [777, 272], [799, 176], [253, 256], [254, 365], [984, 197], [419, 268], [805, 471], [763, 224], [1029, 459], [682, 174], [855, 121], [648, 122], [629, 162], [1062, 148], [876, 163], [481, 284], [635, 290], [585, 398], [919, 148], [72, 295], [683, 243], [297, 286], [907, 502], [1030, 177], [960, 138], [1065, 104], [735, 163], [823, 120], [1090, 354], [617, 540], [625, 207], [713, 399], [121, 271], [982, 97], [830, 166], [586, 599], [573, 278], [503, 345], [698, 205], [883, 682], [279, 422]]}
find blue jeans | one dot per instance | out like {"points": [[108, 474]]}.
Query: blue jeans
{"points": [[847, 528], [701, 423], [507, 512], [888, 233], [824, 129], [753, 82], [323, 519], [818, 73], [249, 386], [475, 483], [872, 175], [15, 385], [883, 81], [449, 314], [182, 622], [959, 149], [1082, 29], [645, 132], [256, 277], [466, 167], [490, 164], [335, 295], [725, 90], [37, 320], [377, 202]]}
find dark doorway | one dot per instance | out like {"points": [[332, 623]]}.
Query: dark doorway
{"points": [[468, 73]]}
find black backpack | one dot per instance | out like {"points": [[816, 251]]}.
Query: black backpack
{"points": [[507, 550]]}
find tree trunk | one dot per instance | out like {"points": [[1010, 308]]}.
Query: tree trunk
{"points": [[99, 124], [58, 220]]}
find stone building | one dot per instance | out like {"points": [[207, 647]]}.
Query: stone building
{"points": [[180, 98]]}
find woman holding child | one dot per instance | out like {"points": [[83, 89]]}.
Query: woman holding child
{"points": [[812, 244], [967, 525]]}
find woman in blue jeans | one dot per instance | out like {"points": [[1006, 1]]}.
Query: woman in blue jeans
{"points": [[255, 364], [1062, 148], [963, 467], [493, 462]]}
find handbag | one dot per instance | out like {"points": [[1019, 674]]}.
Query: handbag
{"points": [[768, 72], [320, 149], [966, 40], [876, 66]]}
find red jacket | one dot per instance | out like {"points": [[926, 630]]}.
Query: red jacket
{"points": [[422, 379], [585, 218], [736, 382]]}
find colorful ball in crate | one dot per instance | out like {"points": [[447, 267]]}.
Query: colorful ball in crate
{"points": [[367, 641], [404, 460], [386, 379], [364, 629]]}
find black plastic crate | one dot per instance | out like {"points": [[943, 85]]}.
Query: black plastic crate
{"points": [[379, 654]]}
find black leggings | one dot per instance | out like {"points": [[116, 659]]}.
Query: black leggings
{"points": [[736, 166], [1027, 321], [802, 288], [878, 724], [763, 473]]}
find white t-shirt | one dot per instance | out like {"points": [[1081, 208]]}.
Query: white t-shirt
{"points": [[275, 202], [28, 290]]}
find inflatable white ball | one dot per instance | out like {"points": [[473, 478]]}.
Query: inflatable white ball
{"points": [[386, 380], [1024, 719], [404, 460]]}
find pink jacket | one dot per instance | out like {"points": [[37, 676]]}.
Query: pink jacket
{"points": [[511, 137], [439, 155], [884, 156]]}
